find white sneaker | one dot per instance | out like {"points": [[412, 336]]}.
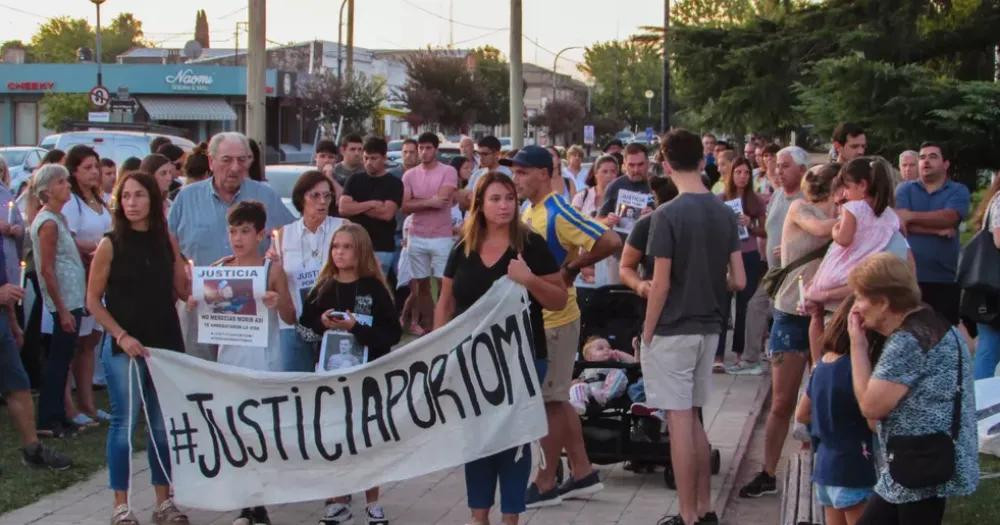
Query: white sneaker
{"points": [[743, 368], [337, 514], [376, 515]]}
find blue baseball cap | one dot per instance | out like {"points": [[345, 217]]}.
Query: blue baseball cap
{"points": [[530, 157]]}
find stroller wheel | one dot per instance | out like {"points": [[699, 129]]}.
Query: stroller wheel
{"points": [[716, 461], [668, 477]]}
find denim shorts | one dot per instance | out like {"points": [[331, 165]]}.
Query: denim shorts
{"points": [[13, 378], [789, 333], [841, 497]]}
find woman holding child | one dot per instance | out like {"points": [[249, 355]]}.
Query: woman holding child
{"points": [[495, 244]]}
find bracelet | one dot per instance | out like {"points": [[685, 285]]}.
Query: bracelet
{"points": [[118, 340]]}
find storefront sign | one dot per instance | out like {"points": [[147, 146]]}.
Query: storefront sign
{"points": [[187, 80], [30, 86]]}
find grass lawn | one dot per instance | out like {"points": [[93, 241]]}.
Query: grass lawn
{"points": [[980, 507], [21, 485]]}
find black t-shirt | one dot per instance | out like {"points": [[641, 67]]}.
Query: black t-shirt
{"points": [[366, 296], [471, 279], [362, 187]]}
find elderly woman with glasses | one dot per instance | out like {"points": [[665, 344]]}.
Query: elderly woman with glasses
{"points": [[302, 249]]}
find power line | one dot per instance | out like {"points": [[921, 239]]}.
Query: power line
{"points": [[244, 8], [467, 40], [22, 11], [451, 20]]}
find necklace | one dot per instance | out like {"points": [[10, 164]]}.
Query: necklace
{"points": [[314, 249]]}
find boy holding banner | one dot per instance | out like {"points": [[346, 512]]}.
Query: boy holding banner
{"points": [[245, 289]]}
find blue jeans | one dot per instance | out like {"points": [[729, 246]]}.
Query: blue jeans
{"points": [[987, 351], [296, 354], [385, 260], [51, 402], [116, 370], [482, 475]]}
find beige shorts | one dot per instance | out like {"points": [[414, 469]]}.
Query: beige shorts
{"points": [[562, 343], [677, 370]]}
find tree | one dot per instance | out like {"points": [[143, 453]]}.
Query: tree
{"points": [[201, 29], [560, 117], [356, 98], [58, 39], [492, 73], [61, 108], [441, 90], [622, 72]]}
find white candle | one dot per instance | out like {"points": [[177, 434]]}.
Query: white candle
{"points": [[802, 292], [24, 271], [274, 242], [10, 212]]}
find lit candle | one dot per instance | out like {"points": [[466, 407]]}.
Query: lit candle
{"points": [[10, 212], [24, 272], [274, 242]]}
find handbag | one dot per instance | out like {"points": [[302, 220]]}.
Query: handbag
{"points": [[979, 262], [774, 277], [927, 460]]}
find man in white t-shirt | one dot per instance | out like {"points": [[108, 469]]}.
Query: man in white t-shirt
{"points": [[428, 194]]}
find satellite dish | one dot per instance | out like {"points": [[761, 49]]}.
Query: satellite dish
{"points": [[192, 50]]}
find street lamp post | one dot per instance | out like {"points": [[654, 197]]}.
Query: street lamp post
{"points": [[649, 102], [98, 3], [554, 62]]}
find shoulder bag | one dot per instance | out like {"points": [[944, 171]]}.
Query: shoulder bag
{"points": [[772, 280], [927, 460], [979, 277]]}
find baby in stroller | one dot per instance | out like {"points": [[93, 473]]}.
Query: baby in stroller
{"points": [[599, 384]]}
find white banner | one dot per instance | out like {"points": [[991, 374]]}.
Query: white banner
{"points": [[239, 438], [230, 310]]}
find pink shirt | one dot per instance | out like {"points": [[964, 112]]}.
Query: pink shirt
{"points": [[871, 236], [422, 183]]}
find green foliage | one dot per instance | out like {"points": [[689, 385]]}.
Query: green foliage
{"points": [[492, 73], [58, 39], [622, 72], [440, 89], [64, 107], [356, 98]]}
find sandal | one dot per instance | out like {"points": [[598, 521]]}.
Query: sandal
{"points": [[168, 514], [121, 515]]}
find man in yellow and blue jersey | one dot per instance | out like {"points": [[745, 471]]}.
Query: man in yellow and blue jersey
{"points": [[576, 242]]}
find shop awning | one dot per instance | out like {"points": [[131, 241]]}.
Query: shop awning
{"points": [[187, 108]]}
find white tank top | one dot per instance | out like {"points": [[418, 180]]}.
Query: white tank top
{"points": [[303, 254]]}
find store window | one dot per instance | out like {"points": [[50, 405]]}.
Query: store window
{"points": [[25, 123]]}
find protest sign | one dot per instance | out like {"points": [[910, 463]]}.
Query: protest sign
{"points": [[737, 206], [240, 438], [629, 208], [340, 349], [230, 310]]}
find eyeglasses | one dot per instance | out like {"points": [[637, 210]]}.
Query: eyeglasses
{"points": [[243, 159], [319, 196]]}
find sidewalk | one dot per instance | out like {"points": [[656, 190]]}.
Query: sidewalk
{"points": [[439, 498]]}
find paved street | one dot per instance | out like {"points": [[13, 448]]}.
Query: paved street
{"points": [[439, 498]]}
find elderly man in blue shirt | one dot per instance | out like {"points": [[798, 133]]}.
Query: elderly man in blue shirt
{"points": [[198, 215], [931, 209]]}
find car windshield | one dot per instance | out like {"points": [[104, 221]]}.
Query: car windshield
{"points": [[282, 179], [14, 157], [396, 145]]}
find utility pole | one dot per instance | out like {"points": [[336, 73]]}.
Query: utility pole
{"points": [[350, 39], [256, 74], [100, 77], [516, 78], [555, 62], [665, 99]]}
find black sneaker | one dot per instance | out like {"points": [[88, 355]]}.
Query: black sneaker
{"points": [[40, 456], [671, 519], [761, 485], [245, 517], [710, 518], [535, 499], [579, 488], [260, 516], [58, 430]]}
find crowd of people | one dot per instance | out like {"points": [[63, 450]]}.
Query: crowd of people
{"points": [[845, 270]]}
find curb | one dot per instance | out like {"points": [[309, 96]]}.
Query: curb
{"points": [[760, 399]]}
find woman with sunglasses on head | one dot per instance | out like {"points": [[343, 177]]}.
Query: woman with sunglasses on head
{"points": [[302, 250]]}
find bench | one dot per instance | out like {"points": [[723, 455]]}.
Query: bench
{"points": [[798, 502]]}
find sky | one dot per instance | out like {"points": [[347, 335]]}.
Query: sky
{"points": [[379, 24]]}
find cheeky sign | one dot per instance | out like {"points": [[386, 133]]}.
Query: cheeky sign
{"points": [[240, 438]]}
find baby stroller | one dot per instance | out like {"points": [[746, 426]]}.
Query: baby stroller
{"points": [[613, 433]]}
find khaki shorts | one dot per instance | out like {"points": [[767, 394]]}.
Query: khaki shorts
{"points": [[562, 343], [677, 370]]}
